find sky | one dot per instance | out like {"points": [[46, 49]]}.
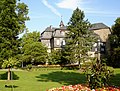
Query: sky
{"points": [[44, 13]]}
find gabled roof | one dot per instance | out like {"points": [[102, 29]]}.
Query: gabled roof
{"points": [[61, 28], [58, 32], [47, 34], [49, 29], [96, 26], [52, 32]]}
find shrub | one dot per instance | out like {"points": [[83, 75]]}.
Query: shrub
{"points": [[99, 75], [29, 66]]}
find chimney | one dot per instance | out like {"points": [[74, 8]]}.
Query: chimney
{"points": [[50, 26]]}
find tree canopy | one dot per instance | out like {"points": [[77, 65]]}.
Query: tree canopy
{"points": [[13, 15], [115, 44], [79, 39], [33, 51]]}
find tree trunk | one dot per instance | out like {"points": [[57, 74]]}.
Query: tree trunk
{"points": [[79, 65], [9, 73]]}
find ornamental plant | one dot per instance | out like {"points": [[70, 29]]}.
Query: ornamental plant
{"points": [[80, 87], [98, 75], [10, 63]]}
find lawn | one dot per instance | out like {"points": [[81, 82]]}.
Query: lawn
{"points": [[43, 79], [40, 80]]}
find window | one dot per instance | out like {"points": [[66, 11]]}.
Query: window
{"points": [[63, 42], [62, 33], [58, 42], [102, 49]]}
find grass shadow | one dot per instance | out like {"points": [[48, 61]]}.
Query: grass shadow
{"points": [[11, 86], [115, 80], [65, 78], [4, 76]]}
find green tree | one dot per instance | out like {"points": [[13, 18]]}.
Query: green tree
{"points": [[10, 63], [55, 57], [79, 39], [12, 22], [114, 59], [33, 51]]}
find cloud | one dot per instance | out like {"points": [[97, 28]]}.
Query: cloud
{"points": [[69, 4], [54, 10], [88, 6]]}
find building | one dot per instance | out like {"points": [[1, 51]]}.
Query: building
{"points": [[103, 32], [53, 37]]}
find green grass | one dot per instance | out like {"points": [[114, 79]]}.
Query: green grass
{"points": [[43, 79], [115, 80], [40, 80]]}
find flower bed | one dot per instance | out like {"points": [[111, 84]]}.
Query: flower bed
{"points": [[80, 87]]}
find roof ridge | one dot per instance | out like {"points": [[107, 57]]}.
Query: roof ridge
{"points": [[98, 26]]}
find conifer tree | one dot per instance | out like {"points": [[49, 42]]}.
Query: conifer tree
{"points": [[13, 15], [114, 58], [79, 39]]}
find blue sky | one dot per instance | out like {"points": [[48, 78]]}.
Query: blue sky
{"points": [[44, 13]]}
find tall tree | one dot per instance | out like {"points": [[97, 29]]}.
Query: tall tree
{"points": [[12, 22], [33, 51], [79, 39], [115, 44]]}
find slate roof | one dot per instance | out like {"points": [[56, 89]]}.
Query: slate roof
{"points": [[52, 32], [62, 28], [47, 34], [49, 29], [96, 26], [57, 32]]}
